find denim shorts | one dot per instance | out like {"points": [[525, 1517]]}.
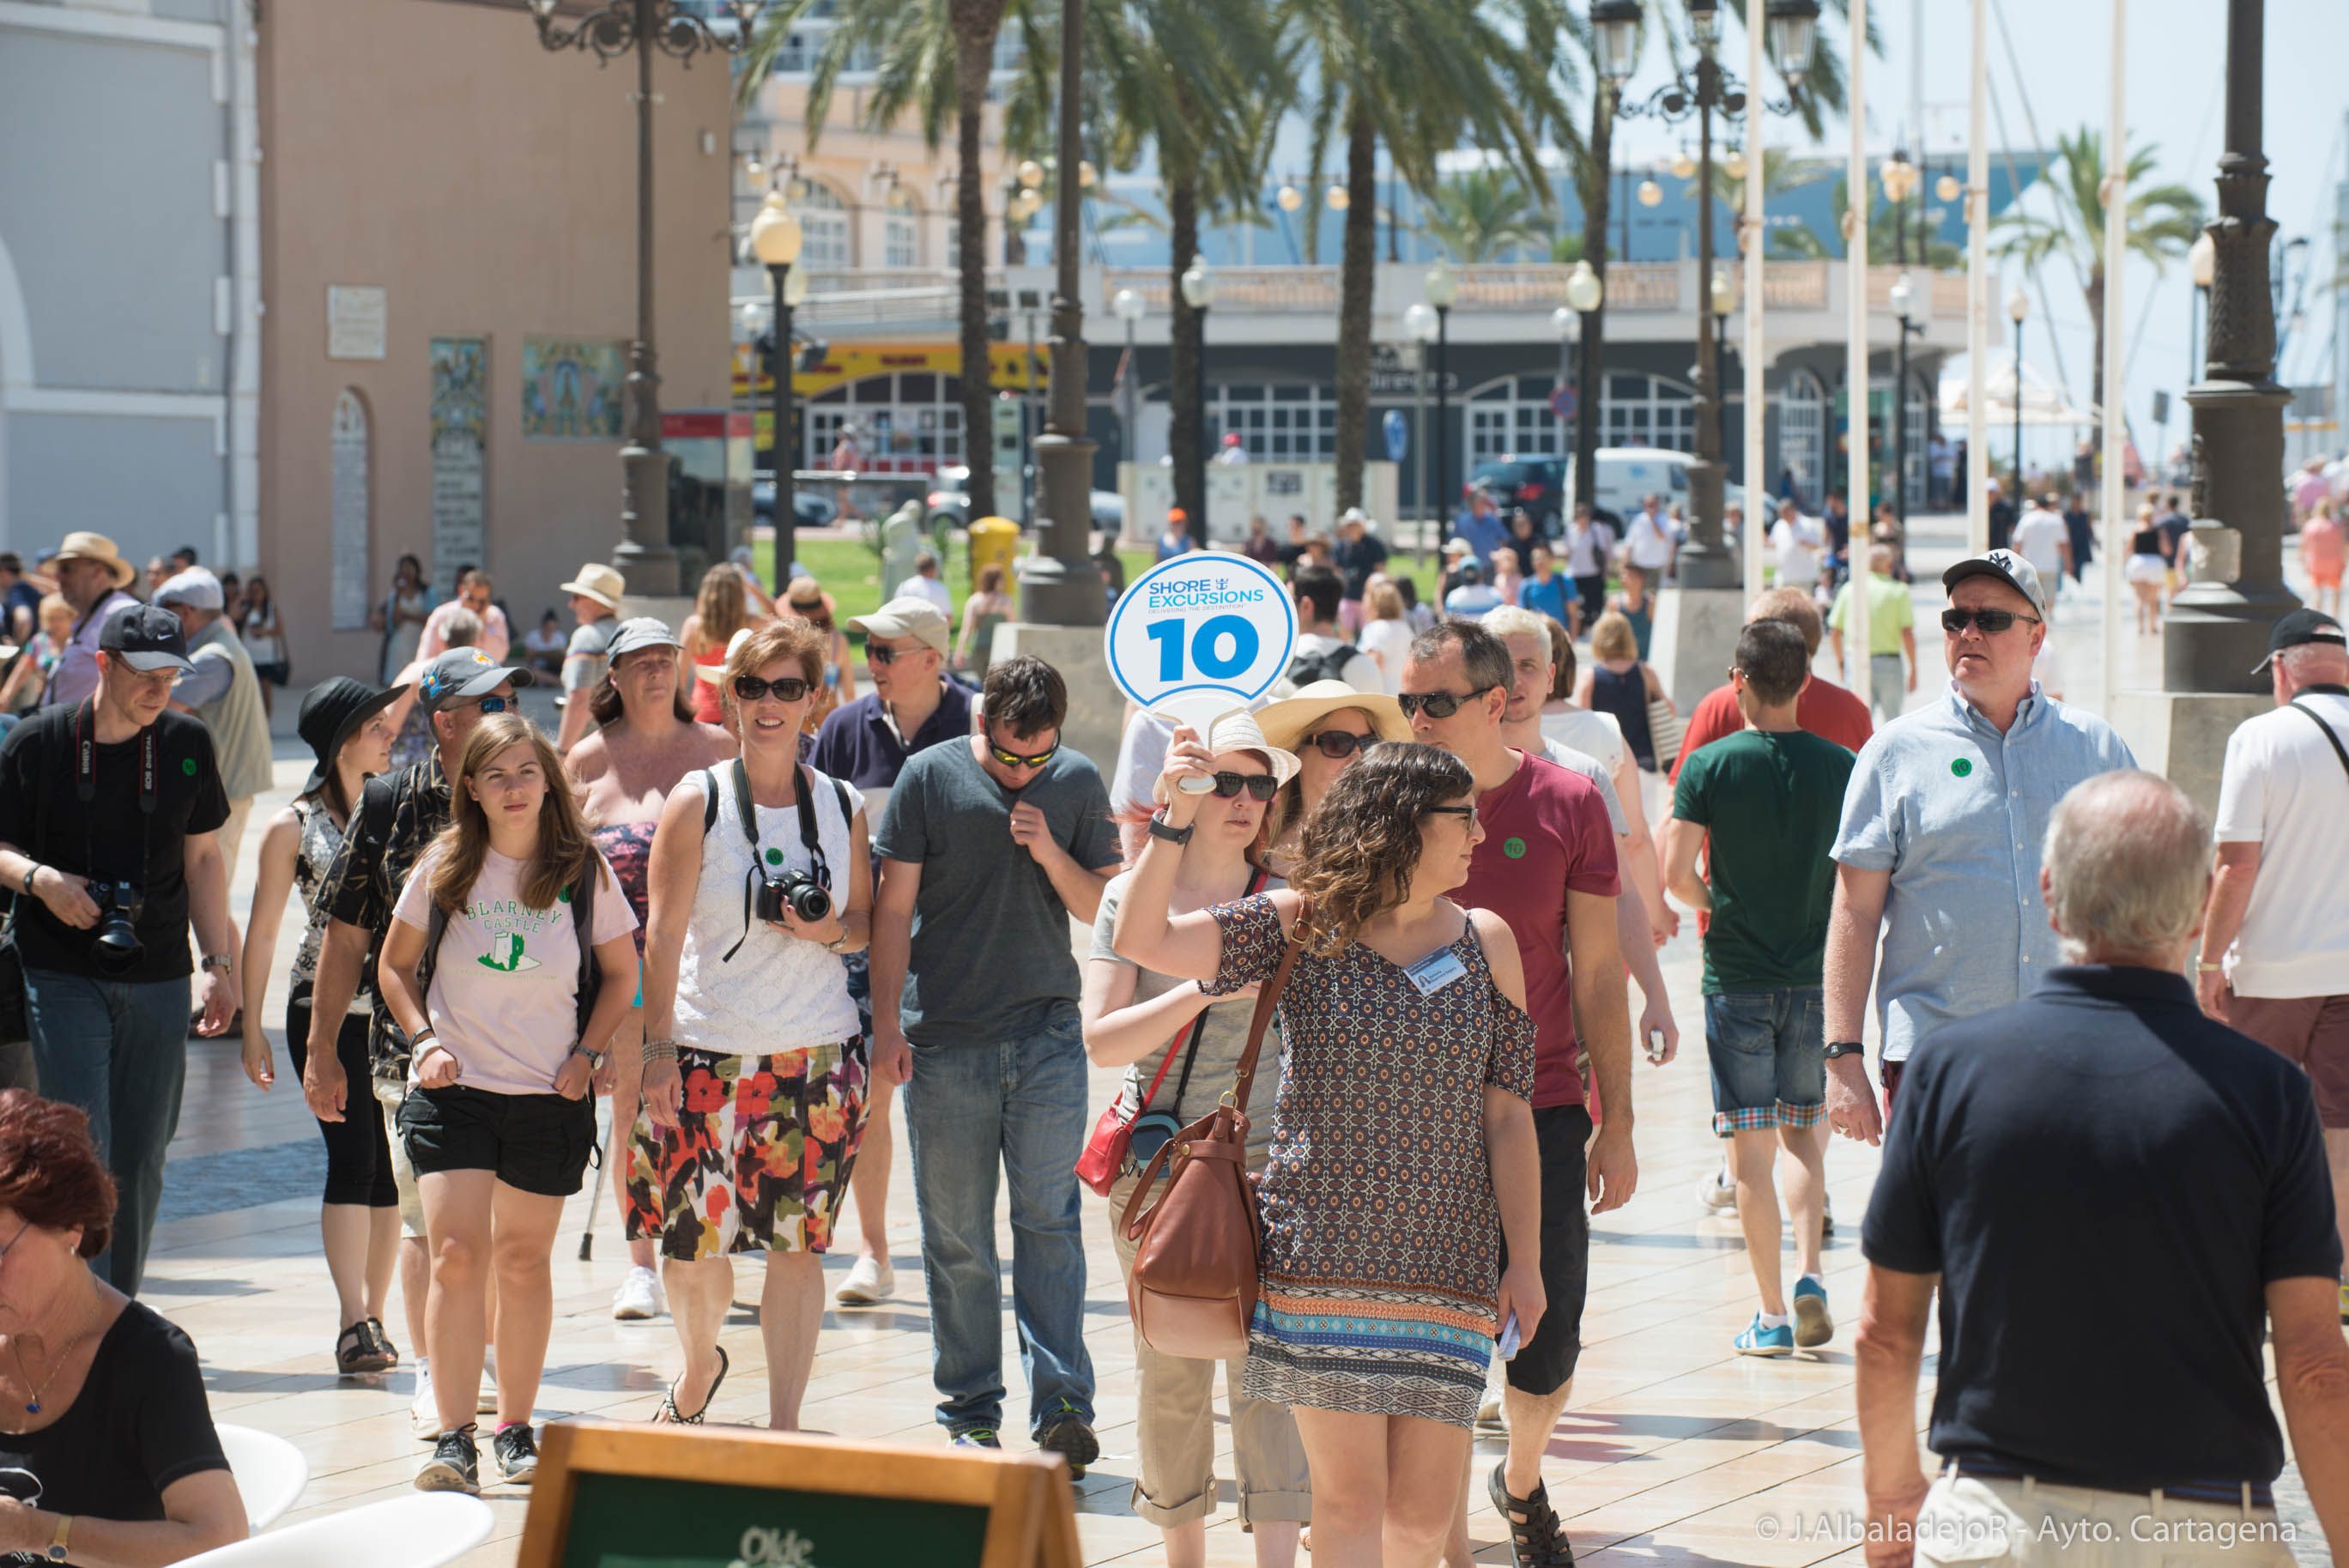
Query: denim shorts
{"points": [[1767, 1051]]}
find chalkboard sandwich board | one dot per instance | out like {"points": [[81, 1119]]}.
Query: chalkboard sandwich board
{"points": [[609, 1496]]}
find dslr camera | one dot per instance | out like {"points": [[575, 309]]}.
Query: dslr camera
{"points": [[118, 907], [801, 893]]}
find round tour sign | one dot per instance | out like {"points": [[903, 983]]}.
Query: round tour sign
{"points": [[1202, 629]]}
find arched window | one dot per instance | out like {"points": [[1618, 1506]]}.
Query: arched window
{"points": [[348, 458], [1279, 421], [824, 227], [1512, 417], [1802, 434], [901, 235], [1646, 411]]}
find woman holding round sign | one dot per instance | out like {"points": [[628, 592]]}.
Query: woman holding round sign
{"points": [[1181, 1048], [1326, 726], [1402, 1143]]}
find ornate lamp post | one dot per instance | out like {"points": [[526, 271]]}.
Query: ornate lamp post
{"points": [[1128, 307], [1419, 326], [1567, 325], [1704, 562], [608, 32], [775, 238], [1442, 287], [1199, 293], [1904, 306], [2018, 311], [1585, 296]]}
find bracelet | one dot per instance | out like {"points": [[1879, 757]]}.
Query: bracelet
{"points": [[658, 1051], [2202, 968], [32, 870]]}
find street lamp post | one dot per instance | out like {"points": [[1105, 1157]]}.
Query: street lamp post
{"points": [[2201, 265], [1199, 293], [775, 239], [1586, 293], [1443, 287], [1127, 306], [1059, 585], [1904, 308], [1567, 325], [2018, 311], [1419, 326], [643, 556]]}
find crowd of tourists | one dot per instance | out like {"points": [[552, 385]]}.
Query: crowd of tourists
{"points": [[752, 906]]}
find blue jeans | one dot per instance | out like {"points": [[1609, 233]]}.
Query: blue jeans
{"points": [[1768, 1049], [119, 1051], [1021, 1102]]}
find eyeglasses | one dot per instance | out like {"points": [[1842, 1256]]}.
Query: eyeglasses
{"points": [[1340, 743], [1438, 704], [489, 705], [1992, 622], [1467, 812], [1259, 786], [1013, 760], [786, 688], [882, 655]]}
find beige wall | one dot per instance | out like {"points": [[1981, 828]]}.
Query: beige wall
{"points": [[432, 147]]}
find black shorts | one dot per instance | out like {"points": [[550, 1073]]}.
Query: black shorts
{"points": [[1544, 1363], [535, 1142]]}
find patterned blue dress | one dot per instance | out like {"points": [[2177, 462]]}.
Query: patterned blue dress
{"points": [[1381, 1243]]}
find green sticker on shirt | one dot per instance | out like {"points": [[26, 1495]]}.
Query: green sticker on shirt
{"points": [[187, 766], [1514, 847], [1962, 767], [774, 857]]}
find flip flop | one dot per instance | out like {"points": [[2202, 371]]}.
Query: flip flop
{"points": [[668, 1415]]}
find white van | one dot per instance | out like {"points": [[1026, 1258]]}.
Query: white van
{"points": [[1627, 475]]}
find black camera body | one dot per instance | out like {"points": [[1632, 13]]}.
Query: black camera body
{"points": [[119, 904], [797, 891]]}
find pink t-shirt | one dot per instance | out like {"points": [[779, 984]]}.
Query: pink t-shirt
{"points": [[504, 989], [2321, 546], [1545, 835]]}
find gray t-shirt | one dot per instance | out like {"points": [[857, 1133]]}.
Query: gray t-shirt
{"points": [[584, 660], [1221, 1044], [991, 960]]}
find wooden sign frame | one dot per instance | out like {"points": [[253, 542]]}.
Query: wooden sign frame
{"points": [[1031, 1514]]}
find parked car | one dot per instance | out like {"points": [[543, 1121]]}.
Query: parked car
{"points": [[950, 500], [1540, 485], [809, 509]]}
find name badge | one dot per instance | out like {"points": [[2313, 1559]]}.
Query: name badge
{"points": [[1434, 972]]}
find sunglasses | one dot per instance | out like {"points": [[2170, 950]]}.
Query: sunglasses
{"points": [[881, 655], [1438, 704], [786, 688], [1013, 760], [1340, 743], [1259, 786], [1467, 812], [1992, 622], [489, 705]]}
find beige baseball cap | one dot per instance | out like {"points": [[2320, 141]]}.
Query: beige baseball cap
{"points": [[909, 615]]}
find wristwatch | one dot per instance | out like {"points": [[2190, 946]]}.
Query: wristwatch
{"points": [[1845, 1049], [212, 961], [595, 1058], [1159, 830], [59, 1544]]}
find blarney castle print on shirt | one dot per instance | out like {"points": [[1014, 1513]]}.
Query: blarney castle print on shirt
{"points": [[511, 925]]}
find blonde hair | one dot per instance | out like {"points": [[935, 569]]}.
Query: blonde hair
{"points": [[722, 606], [1385, 601], [565, 853], [1613, 637]]}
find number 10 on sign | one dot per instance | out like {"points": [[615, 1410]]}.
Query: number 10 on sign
{"points": [[1220, 648]]}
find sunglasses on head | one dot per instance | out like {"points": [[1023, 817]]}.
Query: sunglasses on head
{"points": [[1013, 760], [1992, 622], [1259, 786], [1340, 743], [786, 688], [1438, 704]]}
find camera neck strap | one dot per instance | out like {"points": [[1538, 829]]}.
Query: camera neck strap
{"points": [[150, 773], [747, 811]]}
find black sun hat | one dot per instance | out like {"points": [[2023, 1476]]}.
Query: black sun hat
{"points": [[332, 712]]}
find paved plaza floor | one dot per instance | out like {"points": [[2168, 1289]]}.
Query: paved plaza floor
{"points": [[1674, 1451]]}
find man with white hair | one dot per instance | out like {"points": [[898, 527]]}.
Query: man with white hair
{"points": [[2072, 1249], [220, 688], [1939, 849], [2274, 961]]}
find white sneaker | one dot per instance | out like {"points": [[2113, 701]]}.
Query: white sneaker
{"points": [[1492, 1415], [870, 1280], [1717, 1192], [423, 1415], [638, 1297]]}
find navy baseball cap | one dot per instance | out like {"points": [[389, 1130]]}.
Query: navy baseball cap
{"points": [[462, 673], [145, 637]]}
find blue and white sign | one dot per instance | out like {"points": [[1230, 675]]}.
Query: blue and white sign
{"points": [[1398, 434], [1201, 632]]}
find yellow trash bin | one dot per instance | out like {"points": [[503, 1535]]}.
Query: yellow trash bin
{"points": [[994, 542]]}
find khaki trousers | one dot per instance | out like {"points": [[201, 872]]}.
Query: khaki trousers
{"points": [[1978, 1523]]}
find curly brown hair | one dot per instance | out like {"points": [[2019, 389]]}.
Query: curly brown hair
{"points": [[1361, 846]]}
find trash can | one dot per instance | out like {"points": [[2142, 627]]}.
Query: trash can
{"points": [[995, 542]]}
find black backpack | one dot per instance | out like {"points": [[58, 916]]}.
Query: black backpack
{"points": [[1307, 668]]}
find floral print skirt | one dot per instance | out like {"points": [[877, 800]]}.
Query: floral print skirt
{"points": [[760, 1158]]}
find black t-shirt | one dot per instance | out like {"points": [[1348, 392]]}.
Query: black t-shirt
{"points": [[1357, 559], [100, 839], [2175, 526], [140, 1423], [2106, 1180]]}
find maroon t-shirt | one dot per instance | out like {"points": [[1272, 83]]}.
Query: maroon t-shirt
{"points": [[1545, 835], [1825, 708]]}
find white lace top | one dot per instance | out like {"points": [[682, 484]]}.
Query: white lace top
{"points": [[777, 992]]}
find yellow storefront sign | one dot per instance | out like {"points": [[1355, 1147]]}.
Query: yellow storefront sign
{"points": [[847, 363]]}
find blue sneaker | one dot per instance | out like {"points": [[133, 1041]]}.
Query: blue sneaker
{"points": [[977, 1438], [1813, 1326], [1757, 1340]]}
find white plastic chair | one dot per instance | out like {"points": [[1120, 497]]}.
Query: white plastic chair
{"points": [[423, 1530], [270, 1472]]}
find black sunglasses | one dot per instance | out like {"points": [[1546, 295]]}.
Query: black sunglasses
{"points": [[1438, 704], [1259, 786], [881, 654], [1013, 760], [1992, 622], [1467, 812], [1340, 743], [786, 688]]}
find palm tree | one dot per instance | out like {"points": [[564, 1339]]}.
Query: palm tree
{"points": [[2162, 223], [1420, 76], [1780, 171], [1886, 246], [1481, 215]]}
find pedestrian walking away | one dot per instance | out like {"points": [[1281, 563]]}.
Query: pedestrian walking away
{"points": [[2093, 1180]]}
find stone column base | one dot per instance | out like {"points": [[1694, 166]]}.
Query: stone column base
{"points": [[2182, 735], [1695, 639], [1096, 707]]}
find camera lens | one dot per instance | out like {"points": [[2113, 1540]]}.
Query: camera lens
{"points": [[810, 901]]}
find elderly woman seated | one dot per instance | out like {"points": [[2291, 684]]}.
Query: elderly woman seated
{"points": [[108, 1456]]}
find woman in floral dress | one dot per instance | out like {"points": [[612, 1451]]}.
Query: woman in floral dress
{"points": [[1402, 1144]]}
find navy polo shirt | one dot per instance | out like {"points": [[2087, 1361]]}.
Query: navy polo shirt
{"points": [[858, 744], [2105, 1179]]}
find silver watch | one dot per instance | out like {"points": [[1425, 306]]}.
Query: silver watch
{"points": [[595, 1058]]}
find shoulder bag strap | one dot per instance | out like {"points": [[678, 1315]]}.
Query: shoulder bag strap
{"points": [[2318, 719], [583, 926], [1266, 1001], [1257, 879]]}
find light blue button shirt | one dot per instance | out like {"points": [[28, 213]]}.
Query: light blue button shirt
{"points": [[1957, 812]]}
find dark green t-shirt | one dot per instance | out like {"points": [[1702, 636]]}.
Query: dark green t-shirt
{"points": [[992, 958], [1770, 803]]}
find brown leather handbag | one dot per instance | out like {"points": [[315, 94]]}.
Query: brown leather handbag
{"points": [[1193, 1286]]}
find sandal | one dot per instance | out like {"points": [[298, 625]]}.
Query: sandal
{"points": [[358, 1353], [384, 1347], [668, 1415], [1537, 1539]]}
